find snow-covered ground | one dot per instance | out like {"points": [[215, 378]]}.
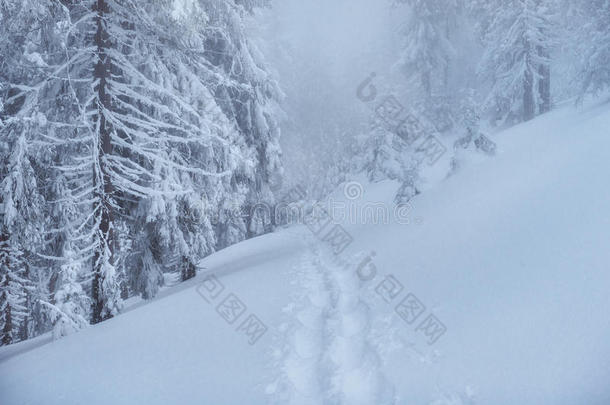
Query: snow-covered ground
{"points": [[510, 254]]}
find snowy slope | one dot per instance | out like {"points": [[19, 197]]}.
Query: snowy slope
{"points": [[510, 253]]}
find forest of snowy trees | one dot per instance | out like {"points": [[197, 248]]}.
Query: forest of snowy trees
{"points": [[464, 68], [128, 129], [132, 131]]}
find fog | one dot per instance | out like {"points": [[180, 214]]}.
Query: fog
{"points": [[322, 52], [304, 202]]}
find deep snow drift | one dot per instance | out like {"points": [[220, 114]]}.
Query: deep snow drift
{"points": [[510, 253]]}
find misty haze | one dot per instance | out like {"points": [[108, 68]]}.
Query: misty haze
{"points": [[303, 202]]}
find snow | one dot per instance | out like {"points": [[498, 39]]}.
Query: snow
{"points": [[510, 253]]}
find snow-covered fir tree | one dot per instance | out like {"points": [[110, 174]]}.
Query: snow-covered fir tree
{"points": [[428, 49], [387, 156], [594, 40], [248, 100], [25, 31], [21, 227], [427, 55], [518, 39], [143, 132], [13, 310], [69, 311]]}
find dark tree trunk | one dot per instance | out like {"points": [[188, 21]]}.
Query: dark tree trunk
{"points": [[101, 176], [7, 328], [427, 83], [529, 110], [544, 86], [529, 104], [188, 269], [24, 328]]}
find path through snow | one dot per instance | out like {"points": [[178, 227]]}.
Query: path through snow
{"points": [[326, 352]]}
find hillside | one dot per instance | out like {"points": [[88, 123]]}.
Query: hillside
{"points": [[510, 253]]}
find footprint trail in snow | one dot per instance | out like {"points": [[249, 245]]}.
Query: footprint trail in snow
{"points": [[326, 353]]}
